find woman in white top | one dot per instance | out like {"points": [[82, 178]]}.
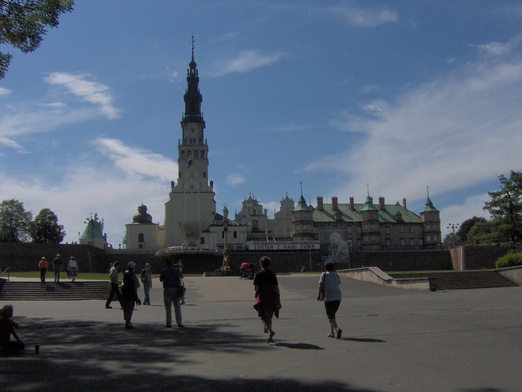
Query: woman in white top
{"points": [[72, 268], [329, 284]]}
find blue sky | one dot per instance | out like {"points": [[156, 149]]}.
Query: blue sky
{"points": [[394, 96]]}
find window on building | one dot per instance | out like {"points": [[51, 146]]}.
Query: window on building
{"points": [[141, 246], [412, 242], [428, 238], [421, 242], [402, 242], [411, 229], [435, 238], [202, 240], [349, 229], [235, 234], [387, 241], [401, 229], [386, 229], [141, 237]]}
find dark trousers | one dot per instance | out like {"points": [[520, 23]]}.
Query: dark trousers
{"points": [[115, 290], [42, 275]]}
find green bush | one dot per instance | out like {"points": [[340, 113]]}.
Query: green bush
{"points": [[509, 260]]}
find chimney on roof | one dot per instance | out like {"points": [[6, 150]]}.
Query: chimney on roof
{"points": [[335, 204], [320, 203], [352, 203], [404, 203], [381, 203]]}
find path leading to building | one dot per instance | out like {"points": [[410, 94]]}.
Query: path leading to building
{"points": [[393, 340]]}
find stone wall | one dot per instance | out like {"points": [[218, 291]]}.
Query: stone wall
{"points": [[25, 257], [480, 257]]}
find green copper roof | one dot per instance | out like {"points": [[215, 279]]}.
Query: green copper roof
{"points": [[93, 229], [301, 205], [429, 206], [368, 206]]}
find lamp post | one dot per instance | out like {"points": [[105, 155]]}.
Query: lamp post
{"points": [[453, 226]]}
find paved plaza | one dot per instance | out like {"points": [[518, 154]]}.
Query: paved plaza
{"points": [[393, 340]]}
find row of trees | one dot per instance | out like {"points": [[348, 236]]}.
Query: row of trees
{"points": [[17, 224], [505, 226]]}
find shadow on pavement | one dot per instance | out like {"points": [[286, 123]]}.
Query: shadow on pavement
{"points": [[93, 356]]}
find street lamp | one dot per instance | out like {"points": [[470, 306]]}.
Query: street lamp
{"points": [[453, 226]]}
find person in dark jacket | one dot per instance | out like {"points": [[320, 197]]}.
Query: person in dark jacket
{"points": [[267, 296], [129, 294]]}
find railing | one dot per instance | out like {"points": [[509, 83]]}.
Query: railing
{"points": [[6, 270]]}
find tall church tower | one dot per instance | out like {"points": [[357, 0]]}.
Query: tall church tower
{"points": [[191, 207]]}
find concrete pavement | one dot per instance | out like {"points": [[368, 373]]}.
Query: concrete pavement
{"points": [[393, 340]]}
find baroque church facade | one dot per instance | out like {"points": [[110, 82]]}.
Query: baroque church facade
{"points": [[191, 220]]}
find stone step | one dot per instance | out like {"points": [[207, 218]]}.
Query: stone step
{"points": [[465, 279], [63, 291]]}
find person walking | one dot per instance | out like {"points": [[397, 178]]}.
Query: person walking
{"points": [[57, 267], [129, 294], [329, 283], [146, 279], [7, 328], [43, 266], [172, 292], [72, 268], [115, 290], [267, 296]]}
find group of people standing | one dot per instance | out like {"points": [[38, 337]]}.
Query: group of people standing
{"points": [[57, 263], [173, 290]]}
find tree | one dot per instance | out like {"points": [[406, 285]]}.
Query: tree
{"points": [[466, 226], [45, 228], [23, 23], [486, 233], [506, 207], [14, 221]]}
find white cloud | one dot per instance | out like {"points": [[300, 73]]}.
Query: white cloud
{"points": [[236, 179], [472, 206], [113, 191], [4, 91], [246, 61], [363, 18], [23, 121], [137, 162], [95, 93], [11, 144], [452, 133]]}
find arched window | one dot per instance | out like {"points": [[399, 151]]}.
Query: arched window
{"points": [[141, 237], [202, 154], [196, 154]]}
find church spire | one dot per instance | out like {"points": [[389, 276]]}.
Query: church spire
{"points": [[192, 97]]}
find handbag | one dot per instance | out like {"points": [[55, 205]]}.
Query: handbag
{"points": [[181, 291]]}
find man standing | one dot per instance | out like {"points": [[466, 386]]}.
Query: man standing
{"points": [[43, 265], [115, 290], [171, 279], [57, 267]]}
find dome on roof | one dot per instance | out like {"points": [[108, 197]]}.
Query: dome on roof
{"points": [[142, 216]]}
